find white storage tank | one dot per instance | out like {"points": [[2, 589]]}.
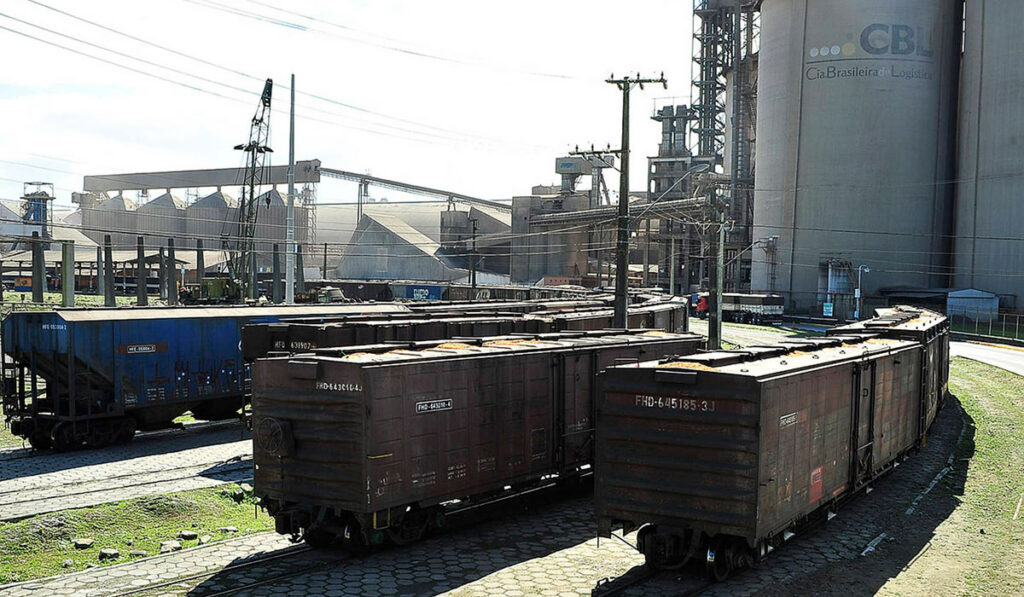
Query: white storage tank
{"points": [[989, 243], [855, 138]]}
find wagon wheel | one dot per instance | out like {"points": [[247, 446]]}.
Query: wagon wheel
{"points": [[658, 559], [352, 539], [40, 441], [319, 538], [719, 559], [412, 528], [63, 438], [125, 431]]}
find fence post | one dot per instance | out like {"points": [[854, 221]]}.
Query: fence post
{"points": [[989, 326], [975, 322]]}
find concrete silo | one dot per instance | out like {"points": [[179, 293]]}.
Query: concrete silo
{"points": [[990, 191], [855, 136]]}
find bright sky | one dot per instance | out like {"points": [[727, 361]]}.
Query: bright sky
{"points": [[471, 96]]}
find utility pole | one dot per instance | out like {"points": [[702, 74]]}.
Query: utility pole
{"points": [[717, 273], [625, 85], [289, 254], [325, 261], [472, 261]]}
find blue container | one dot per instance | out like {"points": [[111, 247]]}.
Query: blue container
{"points": [[424, 292], [152, 363]]}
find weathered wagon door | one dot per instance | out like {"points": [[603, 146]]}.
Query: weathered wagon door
{"points": [[573, 416], [863, 421]]}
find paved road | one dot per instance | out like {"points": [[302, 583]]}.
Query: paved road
{"points": [[742, 335], [1010, 358], [547, 550], [47, 482]]}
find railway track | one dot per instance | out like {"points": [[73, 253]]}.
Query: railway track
{"points": [[12, 497], [16, 453]]}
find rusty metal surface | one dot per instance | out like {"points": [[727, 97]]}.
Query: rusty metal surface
{"points": [[744, 443], [381, 429], [305, 335]]}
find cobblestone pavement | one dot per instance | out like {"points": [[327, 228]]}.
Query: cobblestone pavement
{"points": [[48, 481], [549, 550]]}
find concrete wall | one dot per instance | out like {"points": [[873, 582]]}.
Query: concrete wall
{"points": [[990, 193], [375, 253], [855, 147], [538, 251]]}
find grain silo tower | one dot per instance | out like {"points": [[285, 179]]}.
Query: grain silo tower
{"points": [[855, 136], [990, 192]]}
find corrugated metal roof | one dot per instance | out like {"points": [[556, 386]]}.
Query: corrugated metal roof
{"points": [[276, 199], [216, 200], [404, 231], [164, 201], [117, 203], [972, 293]]}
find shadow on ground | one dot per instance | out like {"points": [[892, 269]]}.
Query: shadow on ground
{"points": [[43, 462], [827, 560], [474, 546]]}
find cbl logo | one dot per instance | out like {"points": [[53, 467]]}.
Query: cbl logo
{"points": [[898, 40], [879, 39]]}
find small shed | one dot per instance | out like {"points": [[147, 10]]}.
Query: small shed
{"points": [[972, 303]]}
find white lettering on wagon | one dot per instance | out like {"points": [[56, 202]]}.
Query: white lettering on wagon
{"points": [[675, 403], [330, 386], [787, 420], [430, 406]]}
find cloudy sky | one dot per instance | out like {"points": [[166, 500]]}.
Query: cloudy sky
{"points": [[471, 96]]}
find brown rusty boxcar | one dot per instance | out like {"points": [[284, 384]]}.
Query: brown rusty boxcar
{"points": [[259, 340], [722, 455], [370, 446]]}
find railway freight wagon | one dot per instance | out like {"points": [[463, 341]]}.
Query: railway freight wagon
{"points": [[292, 336], [94, 376], [370, 444], [719, 457], [750, 308]]}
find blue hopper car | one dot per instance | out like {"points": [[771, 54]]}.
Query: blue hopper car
{"points": [[94, 376]]}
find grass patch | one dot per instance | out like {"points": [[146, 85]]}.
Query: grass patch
{"points": [[188, 417], [37, 547], [994, 398], [6, 439]]}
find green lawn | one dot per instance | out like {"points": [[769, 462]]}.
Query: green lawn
{"points": [[6, 439], [37, 547], [994, 399]]}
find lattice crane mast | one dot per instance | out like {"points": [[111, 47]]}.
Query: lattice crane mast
{"points": [[243, 258]]}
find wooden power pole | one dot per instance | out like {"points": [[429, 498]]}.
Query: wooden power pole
{"points": [[625, 85]]}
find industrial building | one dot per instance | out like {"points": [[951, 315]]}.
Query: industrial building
{"points": [[847, 152], [859, 160], [987, 243]]}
